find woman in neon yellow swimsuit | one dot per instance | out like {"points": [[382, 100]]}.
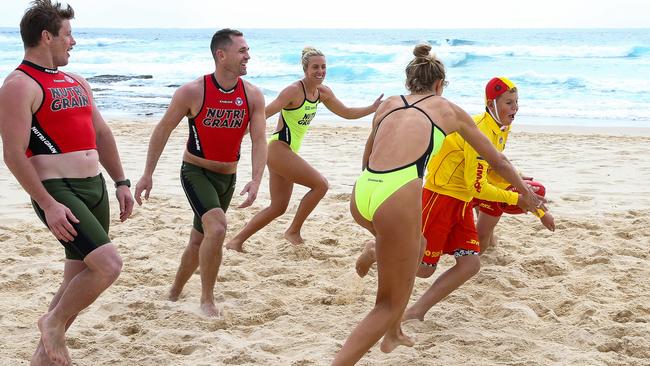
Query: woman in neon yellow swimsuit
{"points": [[297, 103], [386, 199]]}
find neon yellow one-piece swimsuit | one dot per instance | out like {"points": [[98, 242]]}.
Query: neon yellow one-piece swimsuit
{"points": [[374, 187], [296, 122]]}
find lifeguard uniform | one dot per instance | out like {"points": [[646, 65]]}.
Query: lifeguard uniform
{"points": [[454, 177], [215, 133], [62, 124]]}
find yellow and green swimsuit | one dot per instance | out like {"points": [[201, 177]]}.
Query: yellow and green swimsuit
{"points": [[296, 122], [374, 187]]}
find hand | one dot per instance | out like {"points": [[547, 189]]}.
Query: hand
{"points": [[377, 102], [144, 184], [124, 197], [530, 202], [548, 221], [59, 218], [250, 188]]}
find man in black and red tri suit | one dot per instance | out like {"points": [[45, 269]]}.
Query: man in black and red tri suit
{"points": [[220, 108], [53, 141]]}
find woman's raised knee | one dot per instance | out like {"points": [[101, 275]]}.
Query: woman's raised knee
{"points": [[277, 210], [322, 186]]}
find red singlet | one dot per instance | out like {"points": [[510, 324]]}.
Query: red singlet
{"points": [[63, 122], [218, 129]]}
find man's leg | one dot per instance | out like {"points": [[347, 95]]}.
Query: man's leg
{"points": [[103, 267], [189, 264], [210, 254], [70, 270]]}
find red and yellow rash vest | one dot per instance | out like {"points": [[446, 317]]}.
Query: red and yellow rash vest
{"points": [[460, 172], [63, 122], [217, 130]]}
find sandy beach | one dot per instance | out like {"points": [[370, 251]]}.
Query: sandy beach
{"points": [[578, 296]]}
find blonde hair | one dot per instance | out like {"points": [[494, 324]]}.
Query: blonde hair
{"points": [[307, 53], [424, 70]]}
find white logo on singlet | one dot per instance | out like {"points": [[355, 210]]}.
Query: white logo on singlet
{"points": [[196, 138], [44, 140]]}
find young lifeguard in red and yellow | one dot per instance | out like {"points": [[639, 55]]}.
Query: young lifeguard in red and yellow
{"points": [[456, 176], [502, 104]]}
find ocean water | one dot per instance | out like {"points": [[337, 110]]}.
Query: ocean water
{"points": [[580, 77]]}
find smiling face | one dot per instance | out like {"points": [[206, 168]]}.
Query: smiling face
{"points": [[316, 69], [61, 44], [507, 105], [235, 56]]}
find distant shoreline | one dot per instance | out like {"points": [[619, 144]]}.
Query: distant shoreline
{"points": [[559, 126]]}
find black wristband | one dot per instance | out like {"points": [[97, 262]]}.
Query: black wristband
{"points": [[125, 182]]}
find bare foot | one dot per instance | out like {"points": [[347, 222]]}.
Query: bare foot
{"points": [[53, 338], [366, 259], [174, 294], [40, 356], [235, 245], [294, 238], [211, 310], [390, 343], [410, 314]]}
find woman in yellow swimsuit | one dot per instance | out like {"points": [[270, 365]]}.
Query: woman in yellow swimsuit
{"points": [[297, 104], [386, 198]]}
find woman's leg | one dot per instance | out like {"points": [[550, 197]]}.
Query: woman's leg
{"points": [[397, 224], [295, 169], [280, 190]]}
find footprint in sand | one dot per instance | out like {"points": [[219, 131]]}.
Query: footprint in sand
{"points": [[130, 330], [545, 267], [30, 252], [184, 350], [565, 308], [329, 241], [341, 197], [625, 235], [623, 316]]}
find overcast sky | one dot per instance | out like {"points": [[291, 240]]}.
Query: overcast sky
{"points": [[349, 14]]}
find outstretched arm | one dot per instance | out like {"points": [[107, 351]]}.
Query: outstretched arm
{"points": [[258, 142], [527, 199], [179, 107], [18, 97], [337, 107]]}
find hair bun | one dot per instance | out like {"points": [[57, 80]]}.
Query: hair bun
{"points": [[422, 50]]}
